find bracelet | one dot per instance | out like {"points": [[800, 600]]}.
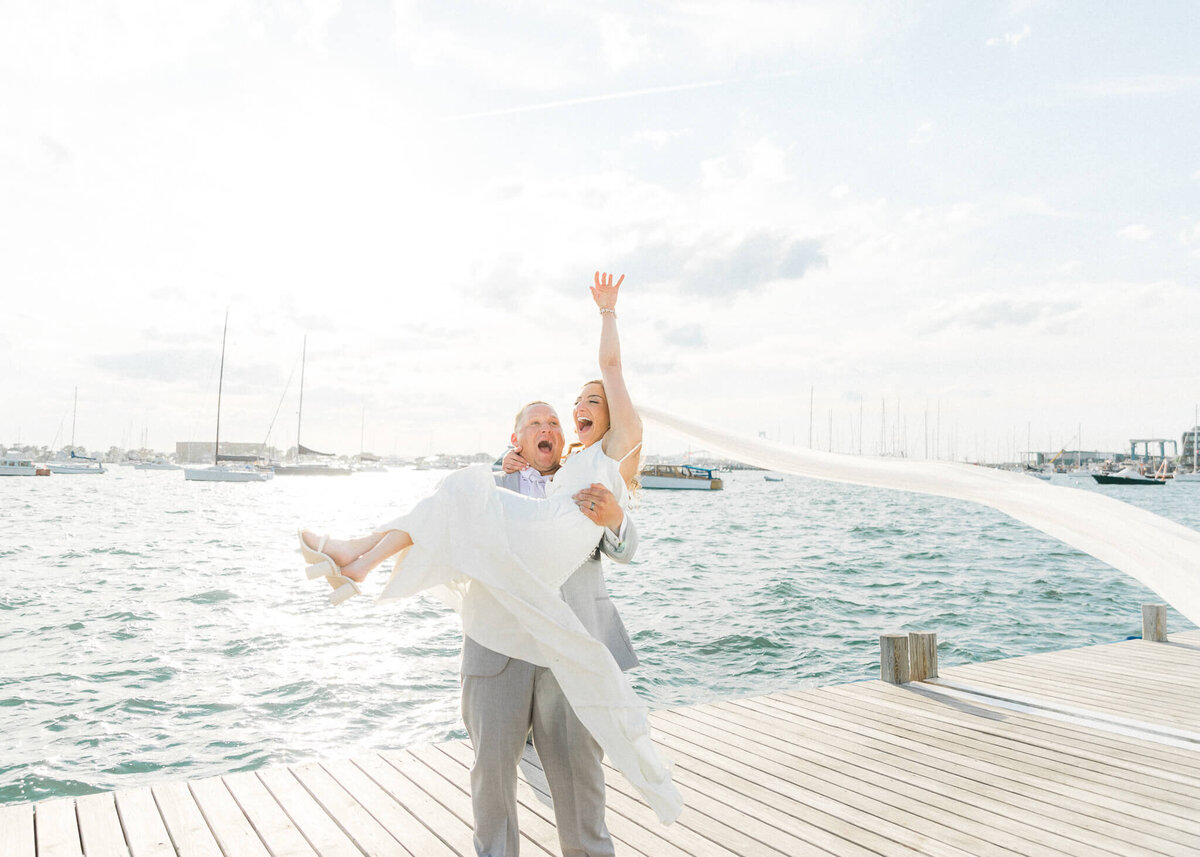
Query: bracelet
{"points": [[605, 309]]}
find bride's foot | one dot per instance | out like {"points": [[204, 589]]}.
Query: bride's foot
{"points": [[341, 551], [321, 564]]}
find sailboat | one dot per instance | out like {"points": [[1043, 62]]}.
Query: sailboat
{"points": [[308, 468], [75, 464], [366, 462], [1194, 475], [226, 468]]}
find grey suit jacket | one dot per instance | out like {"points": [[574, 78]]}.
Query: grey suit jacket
{"points": [[586, 595]]}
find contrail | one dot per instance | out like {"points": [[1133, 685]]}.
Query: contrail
{"points": [[612, 96]]}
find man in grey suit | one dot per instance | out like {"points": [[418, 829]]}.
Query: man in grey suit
{"points": [[503, 698]]}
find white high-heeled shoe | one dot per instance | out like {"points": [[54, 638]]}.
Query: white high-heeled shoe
{"points": [[322, 565]]}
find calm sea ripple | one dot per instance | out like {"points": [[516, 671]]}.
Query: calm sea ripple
{"points": [[152, 628]]}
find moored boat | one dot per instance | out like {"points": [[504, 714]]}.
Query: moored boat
{"points": [[1127, 476], [159, 463], [17, 465], [226, 468], [679, 476], [76, 465]]}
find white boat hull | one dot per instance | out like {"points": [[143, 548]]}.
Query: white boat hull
{"points": [[223, 474], [76, 469], [678, 483]]}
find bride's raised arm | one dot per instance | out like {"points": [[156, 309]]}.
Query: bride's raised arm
{"points": [[625, 426]]}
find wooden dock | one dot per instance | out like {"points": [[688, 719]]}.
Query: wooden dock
{"points": [[1092, 751]]}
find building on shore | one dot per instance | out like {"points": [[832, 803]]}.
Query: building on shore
{"points": [[202, 452], [1072, 458]]}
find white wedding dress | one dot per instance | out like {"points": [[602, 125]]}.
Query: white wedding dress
{"points": [[499, 558]]}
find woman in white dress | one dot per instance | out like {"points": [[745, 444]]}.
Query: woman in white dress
{"points": [[499, 558]]}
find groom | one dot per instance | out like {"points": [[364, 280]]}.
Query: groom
{"points": [[503, 698]]}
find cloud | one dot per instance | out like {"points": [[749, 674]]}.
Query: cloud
{"points": [[754, 261], [1011, 39], [1135, 232], [685, 336], [166, 365], [1149, 84], [991, 313]]}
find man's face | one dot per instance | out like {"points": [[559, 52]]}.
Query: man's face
{"points": [[540, 437]]}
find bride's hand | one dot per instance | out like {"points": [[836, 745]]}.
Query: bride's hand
{"points": [[605, 290], [513, 460]]}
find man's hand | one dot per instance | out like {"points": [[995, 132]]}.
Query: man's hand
{"points": [[599, 505], [513, 460]]}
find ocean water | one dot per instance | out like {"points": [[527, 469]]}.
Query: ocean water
{"points": [[152, 628]]}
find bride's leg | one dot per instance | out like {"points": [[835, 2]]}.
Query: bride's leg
{"points": [[343, 551], [386, 545]]}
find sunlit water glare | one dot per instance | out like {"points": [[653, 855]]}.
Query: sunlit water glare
{"points": [[153, 628]]}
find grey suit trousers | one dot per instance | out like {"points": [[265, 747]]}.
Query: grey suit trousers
{"points": [[503, 699]]}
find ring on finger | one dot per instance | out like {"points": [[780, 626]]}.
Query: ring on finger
{"points": [[593, 505]]}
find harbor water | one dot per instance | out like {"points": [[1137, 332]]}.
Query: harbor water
{"points": [[152, 628]]}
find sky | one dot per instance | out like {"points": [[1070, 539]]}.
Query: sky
{"points": [[942, 229]]}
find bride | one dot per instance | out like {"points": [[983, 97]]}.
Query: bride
{"points": [[498, 558]]}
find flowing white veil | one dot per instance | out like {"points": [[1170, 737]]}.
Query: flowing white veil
{"points": [[1161, 554]]}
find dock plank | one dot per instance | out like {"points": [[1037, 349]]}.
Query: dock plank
{"points": [[100, 826], [57, 829], [371, 837], [267, 817], [16, 829], [234, 833], [189, 831], [322, 832], [451, 829], [143, 825], [392, 815]]}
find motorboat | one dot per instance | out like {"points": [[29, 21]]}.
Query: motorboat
{"points": [[19, 465], [679, 476], [773, 478], [1127, 476]]}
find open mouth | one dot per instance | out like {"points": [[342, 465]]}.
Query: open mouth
{"points": [[545, 446], [582, 424]]}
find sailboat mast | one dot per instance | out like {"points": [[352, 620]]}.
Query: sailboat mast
{"points": [[220, 386], [300, 409], [74, 409]]}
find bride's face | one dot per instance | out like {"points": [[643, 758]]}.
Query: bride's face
{"points": [[590, 414]]}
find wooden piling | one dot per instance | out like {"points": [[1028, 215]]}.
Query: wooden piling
{"points": [[1154, 623], [922, 655], [893, 658]]}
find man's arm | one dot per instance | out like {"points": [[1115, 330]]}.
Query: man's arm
{"points": [[620, 547]]}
